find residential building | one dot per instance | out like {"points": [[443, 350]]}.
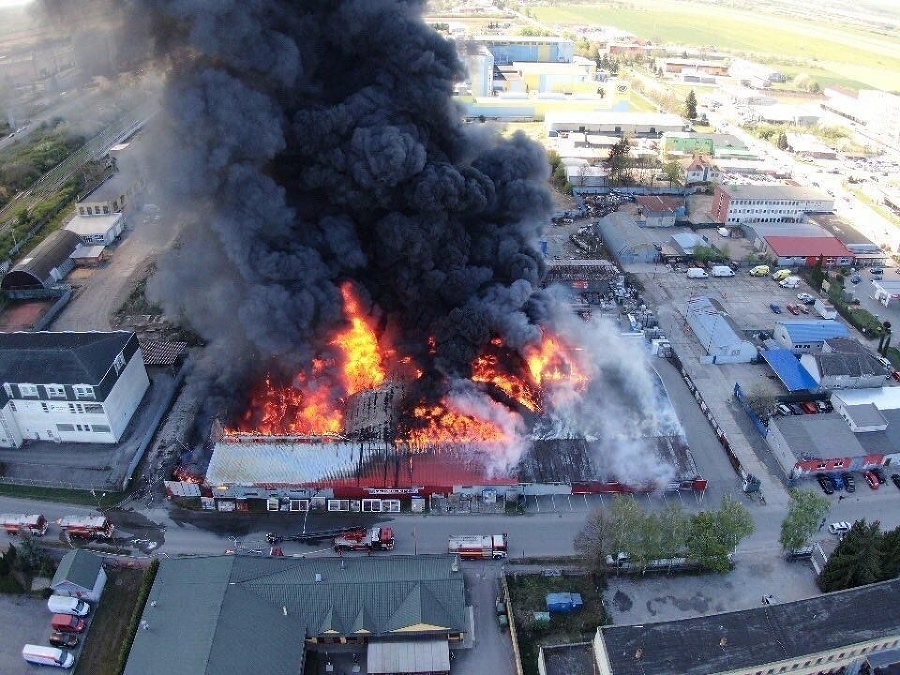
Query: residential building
{"points": [[717, 333], [733, 204], [92, 230], [230, 614], [828, 633], [80, 575], [845, 363], [700, 170], [808, 251], [45, 266], [612, 123], [658, 211], [807, 336], [69, 387]]}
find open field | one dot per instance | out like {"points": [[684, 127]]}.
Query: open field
{"points": [[835, 54]]}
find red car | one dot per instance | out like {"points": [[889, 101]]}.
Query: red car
{"points": [[871, 479]]}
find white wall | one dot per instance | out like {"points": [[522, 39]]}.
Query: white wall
{"points": [[10, 433], [37, 423], [127, 394]]}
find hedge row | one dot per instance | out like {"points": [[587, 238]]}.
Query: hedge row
{"points": [[143, 594]]}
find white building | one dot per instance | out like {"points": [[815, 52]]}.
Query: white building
{"points": [[69, 387], [882, 113], [102, 230], [717, 333], [619, 124], [733, 204]]}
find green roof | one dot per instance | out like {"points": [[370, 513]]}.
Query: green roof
{"points": [[229, 614], [79, 567]]}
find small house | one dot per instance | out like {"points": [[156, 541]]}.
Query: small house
{"points": [[80, 575]]}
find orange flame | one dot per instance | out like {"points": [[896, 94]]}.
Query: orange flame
{"points": [[444, 426], [276, 411], [362, 361], [551, 362], [487, 369]]}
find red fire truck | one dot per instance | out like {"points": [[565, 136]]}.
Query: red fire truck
{"points": [[376, 539], [19, 523], [478, 546], [87, 527]]}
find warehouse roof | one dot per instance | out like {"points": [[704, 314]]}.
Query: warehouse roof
{"points": [[229, 614], [740, 640], [849, 364], [713, 325], [808, 247], [824, 436], [59, 358], [34, 269], [657, 204], [789, 370], [801, 331]]}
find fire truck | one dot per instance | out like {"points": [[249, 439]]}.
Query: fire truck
{"points": [[376, 539], [87, 527], [19, 523], [478, 546]]}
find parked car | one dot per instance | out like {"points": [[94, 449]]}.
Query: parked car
{"points": [[806, 298], [825, 483], [781, 274], [895, 477], [879, 474], [855, 279], [849, 482], [809, 408], [871, 479], [842, 527], [784, 410], [796, 409], [804, 553], [760, 271], [876, 271], [838, 482], [66, 640], [775, 308]]}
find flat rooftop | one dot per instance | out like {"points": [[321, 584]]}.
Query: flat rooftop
{"points": [[776, 192]]}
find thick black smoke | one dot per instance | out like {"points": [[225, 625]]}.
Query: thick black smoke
{"points": [[317, 142]]}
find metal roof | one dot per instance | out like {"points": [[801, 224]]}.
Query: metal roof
{"points": [[420, 656], [34, 269], [775, 193], [884, 398], [59, 358], [853, 365], [79, 567], [808, 247], [735, 641], [789, 370], [865, 415], [712, 324], [90, 225], [229, 614], [801, 331]]}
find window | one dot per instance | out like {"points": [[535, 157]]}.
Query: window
{"points": [[45, 408], [65, 427], [119, 363], [28, 390], [105, 209], [56, 391], [7, 387], [83, 391], [101, 429], [93, 409], [81, 210], [12, 406]]}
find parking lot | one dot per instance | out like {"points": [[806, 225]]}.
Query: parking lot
{"points": [[25, 621]]}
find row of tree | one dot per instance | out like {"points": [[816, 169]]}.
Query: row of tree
{"points": [[864, 556], [708, 537]]}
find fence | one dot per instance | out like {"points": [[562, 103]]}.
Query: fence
{"points": [[757, 421], [512, 626]]}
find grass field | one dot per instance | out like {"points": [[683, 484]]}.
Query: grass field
{"points": [[101, 650], [834, 54]]}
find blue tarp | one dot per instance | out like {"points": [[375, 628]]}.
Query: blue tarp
{"points": [[564, 603], [787, 366]]}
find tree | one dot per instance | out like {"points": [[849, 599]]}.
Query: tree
{"points": [[690, 105], [805, 511], [673, 172], [890, 554], [735, 521], [856, 561], [714, 535], [782, 141], [761, 401], [611, 531], [617, 162], [31, 557]]}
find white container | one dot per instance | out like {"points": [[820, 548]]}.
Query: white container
{"points": [[789, 282], [722, 271], [696, 273], [62, 604]]}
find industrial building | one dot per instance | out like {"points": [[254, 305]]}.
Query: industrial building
{"points": [[717, 333], [845, 363], [627, 242], [236, 614], [507, 49], [733, 204], [881, 111], [45, 266], [93, 230], [687, 143], [613, 123], [658, 211], [830, 633], [69, 387], [807, 251], [803, 336]]}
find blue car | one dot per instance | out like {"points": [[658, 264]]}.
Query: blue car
{"points": [[837, 481], [775, 308]]}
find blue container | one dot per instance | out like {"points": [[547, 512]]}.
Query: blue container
{"points": [[564, 603]]}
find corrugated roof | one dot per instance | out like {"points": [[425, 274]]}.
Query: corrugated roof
{"points": [[88, 225], [789, 370], [34, 269], [59, 358], [657, 204], [808, 247], [737, 641], [824, 436], [851, 365], [865, 415], [802, 331], [712, 324], [775, 193], [420, 656], [79, 567]]}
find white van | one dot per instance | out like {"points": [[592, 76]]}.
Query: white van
{"points": [[697, 273], [722, 271], [47, 656], [62, 604], [789, 282]]}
